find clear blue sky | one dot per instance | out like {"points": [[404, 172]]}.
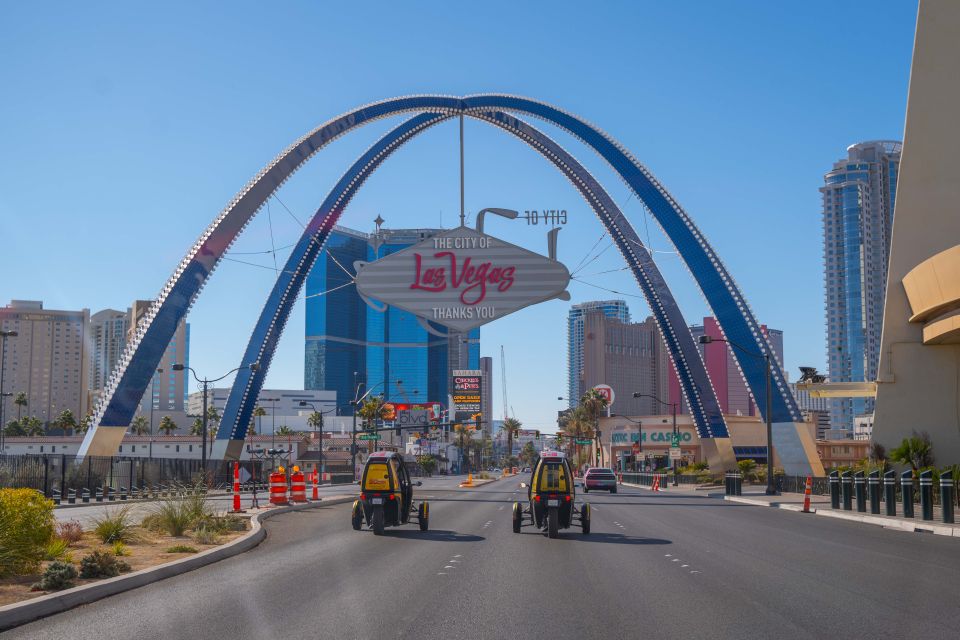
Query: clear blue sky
{"points": [[126, 127]]}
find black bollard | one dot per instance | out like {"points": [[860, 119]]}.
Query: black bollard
{"points": [[890, 492], [56, 496], [123, 493], [946, 496], [873, 489], [846, 489], [99, 497], [834, 489], [738, 484], [926, 494], [860, 488], [906, 487], [85, 496], [726, 484], [71, 496]]}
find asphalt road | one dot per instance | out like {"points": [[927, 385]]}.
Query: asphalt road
{"points": [[664, 566]]}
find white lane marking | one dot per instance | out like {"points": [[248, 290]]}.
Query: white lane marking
{"points": [[694, 572], [459, 555], [675, 560], [441, 573], [459, 561], [684, 566], [449, 566], [500, 509], [667, 555]]}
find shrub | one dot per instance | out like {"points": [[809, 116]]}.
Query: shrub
{"points": [[114, 526], [205, 536], [181, 548], [58, 576], [171, 517], [188, 509], [101, 564], [70, 531], [56, 549], [119, 548], [26, 526]]}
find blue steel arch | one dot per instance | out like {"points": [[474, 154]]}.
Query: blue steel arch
{"points": [[691, 372], [144, 350]]}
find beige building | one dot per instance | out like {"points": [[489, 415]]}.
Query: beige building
{"points": [[918, 380], [628, 356], [654, 432], [108, 336], [47, 359]]}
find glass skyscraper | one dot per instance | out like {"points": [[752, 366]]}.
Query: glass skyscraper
{"points": [[344, 335], [616, 309], [858, 199]]}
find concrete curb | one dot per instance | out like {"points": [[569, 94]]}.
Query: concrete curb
{"points": [[888, 523], [13, 615]]}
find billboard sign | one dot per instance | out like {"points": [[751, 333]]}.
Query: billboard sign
{"points": [[467, 394], [409, 415], [462, 279]]}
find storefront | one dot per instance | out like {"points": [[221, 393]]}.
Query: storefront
{"points": [[643, 442]]}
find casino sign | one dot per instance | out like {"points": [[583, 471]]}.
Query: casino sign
{"points": [[462, 278]]}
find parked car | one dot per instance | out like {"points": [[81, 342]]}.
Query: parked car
{"points": [[599, 478]]}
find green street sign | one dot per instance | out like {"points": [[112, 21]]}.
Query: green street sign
{"points": [[584, 441], [368, 436], [675, 440]]}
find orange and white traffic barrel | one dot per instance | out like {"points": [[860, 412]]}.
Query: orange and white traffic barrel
{"points": [[298, 486], [316, 482], [236, 488], [278, 488]]}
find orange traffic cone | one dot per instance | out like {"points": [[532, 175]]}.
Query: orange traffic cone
{"points": [[236, 488], [656, 483], [806, 495]]}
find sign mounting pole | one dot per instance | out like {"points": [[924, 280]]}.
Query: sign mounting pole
{"points": [[462, 212]]}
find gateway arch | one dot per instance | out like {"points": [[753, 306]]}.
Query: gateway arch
{"points": [[143, 352]]}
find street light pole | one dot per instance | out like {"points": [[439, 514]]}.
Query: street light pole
{"points": [[768, 418], [253, 366], [3, 396]]}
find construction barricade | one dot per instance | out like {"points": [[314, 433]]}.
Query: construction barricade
{"points": [[278, 488]]}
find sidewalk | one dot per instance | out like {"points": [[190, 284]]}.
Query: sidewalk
{"points": [[820, 505], [87, 514]]}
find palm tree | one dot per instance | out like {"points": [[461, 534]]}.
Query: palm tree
{"points": [[512, 427], [258, 413], [594, 403], [84, 424], [21, 401], [196, 429], [65, 421], [166, 426], [139, 426], [33, 426], [284, 430], [464, 435], [373, 409], [579, 426], [15, 428], [915, 451]]}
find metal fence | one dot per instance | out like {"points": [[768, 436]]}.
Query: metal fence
{"points": [[63, 475]]}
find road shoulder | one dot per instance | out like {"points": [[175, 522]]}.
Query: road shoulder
{"points": [[16, 614]]}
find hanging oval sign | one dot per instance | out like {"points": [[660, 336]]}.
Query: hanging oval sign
{"points": [[462, 279]]}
